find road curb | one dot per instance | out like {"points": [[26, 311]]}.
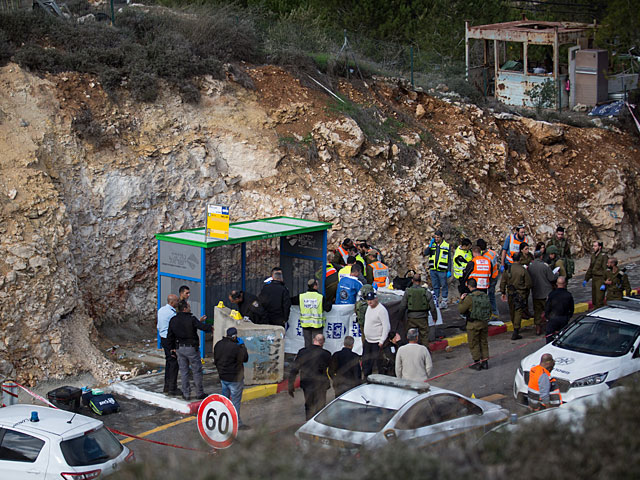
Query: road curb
{"points": [[263, 391]]}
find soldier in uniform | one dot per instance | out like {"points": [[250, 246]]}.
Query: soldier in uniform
{"points": [[517, 281], [418, 302], [596, 272], [555, 262], [561, 243], [617, 281], [526, 257], [477, 308]]}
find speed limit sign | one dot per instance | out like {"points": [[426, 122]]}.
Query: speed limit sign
{"points": [[217, 421]]}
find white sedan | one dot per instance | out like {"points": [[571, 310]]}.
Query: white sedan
{"points": [[592, 354], [44, 443], [388, 409]]}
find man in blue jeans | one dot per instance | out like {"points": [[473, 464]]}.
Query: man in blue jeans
{"points": [[439, 256], [229, 354]]}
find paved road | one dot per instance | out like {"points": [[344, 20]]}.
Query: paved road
{"points": [[279, 416]]}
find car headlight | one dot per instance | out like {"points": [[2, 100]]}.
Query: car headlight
{"points": [[590, 380]]}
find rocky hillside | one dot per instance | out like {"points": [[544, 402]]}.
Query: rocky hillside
{"points": [[86, 183]]}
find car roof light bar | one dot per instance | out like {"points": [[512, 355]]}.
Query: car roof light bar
{"points": [[398, 382]]}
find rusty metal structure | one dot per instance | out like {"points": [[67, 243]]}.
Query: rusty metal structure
{"points": [[512, 82]]}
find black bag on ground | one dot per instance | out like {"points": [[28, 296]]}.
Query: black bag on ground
{"points": [[66, 398], [104, 404], [402, 283]]}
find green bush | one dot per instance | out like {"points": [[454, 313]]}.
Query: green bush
{"points": [[143, 48]]}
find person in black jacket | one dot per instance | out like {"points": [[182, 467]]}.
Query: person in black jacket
{"points": [[559, 309], [248, 305], [182, 337], [344, 368], [312, 363], [275, 299], [229, 354]]}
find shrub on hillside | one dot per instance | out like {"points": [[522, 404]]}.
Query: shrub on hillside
{"points": [[143, 48]]}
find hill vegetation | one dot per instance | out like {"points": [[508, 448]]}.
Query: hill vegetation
{"points": [[197, 37]]}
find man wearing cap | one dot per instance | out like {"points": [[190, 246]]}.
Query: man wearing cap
{"points": [[183, 338], [418, 302], [312, 308], [439, 267], [413, 361], [376, 331], [165, 314], [313, 364], [229, 354]]}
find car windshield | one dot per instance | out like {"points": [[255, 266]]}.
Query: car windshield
{"points": [[94, 447], [355, 416], [598, 336]]}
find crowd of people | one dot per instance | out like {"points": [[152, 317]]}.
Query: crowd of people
{"points": [[178, 330], [354, 272]]}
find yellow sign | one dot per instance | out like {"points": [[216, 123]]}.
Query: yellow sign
{"points": [[218, 222]]}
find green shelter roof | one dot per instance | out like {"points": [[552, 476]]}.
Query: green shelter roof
{"points": [[247, 231]]}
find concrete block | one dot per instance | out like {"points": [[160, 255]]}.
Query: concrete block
{"points": [[265, 345]]}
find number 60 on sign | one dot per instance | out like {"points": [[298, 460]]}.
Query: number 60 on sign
{"points": [[217, 421]]}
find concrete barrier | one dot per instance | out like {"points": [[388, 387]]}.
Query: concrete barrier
{"points": [[265, 345]]}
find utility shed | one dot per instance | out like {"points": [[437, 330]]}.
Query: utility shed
{"points": [[513, 80]]}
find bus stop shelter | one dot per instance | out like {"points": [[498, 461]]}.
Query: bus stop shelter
{"points": [[212, 268]]}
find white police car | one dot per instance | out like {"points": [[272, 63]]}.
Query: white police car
{"points": [[592, 354], [44, 443], [388, 409]]}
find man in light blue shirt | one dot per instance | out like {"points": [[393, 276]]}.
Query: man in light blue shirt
{"points": [[165, 314], [348, 287]]}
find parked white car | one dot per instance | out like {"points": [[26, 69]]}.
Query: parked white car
{"points": [[592, 354], [59, 445], [388, 409]]}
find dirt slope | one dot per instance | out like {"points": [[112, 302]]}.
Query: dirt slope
{"points": [[88, 181]]}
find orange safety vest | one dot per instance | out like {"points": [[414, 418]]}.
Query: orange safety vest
{"points": [[555, 398], [493, 258], [380, 273], [514, 246], [481, 271], [330, 270], [343, 253]]}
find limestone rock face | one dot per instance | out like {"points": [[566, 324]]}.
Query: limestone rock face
{"points": [[544, 132], [79, 211], [343, 136]]}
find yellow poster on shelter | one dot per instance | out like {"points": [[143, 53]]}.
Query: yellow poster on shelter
{"points": [[218, 222]]}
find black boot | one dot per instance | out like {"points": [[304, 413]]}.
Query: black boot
{"points": [[475, 366], [485, 365], [516, 334]]}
